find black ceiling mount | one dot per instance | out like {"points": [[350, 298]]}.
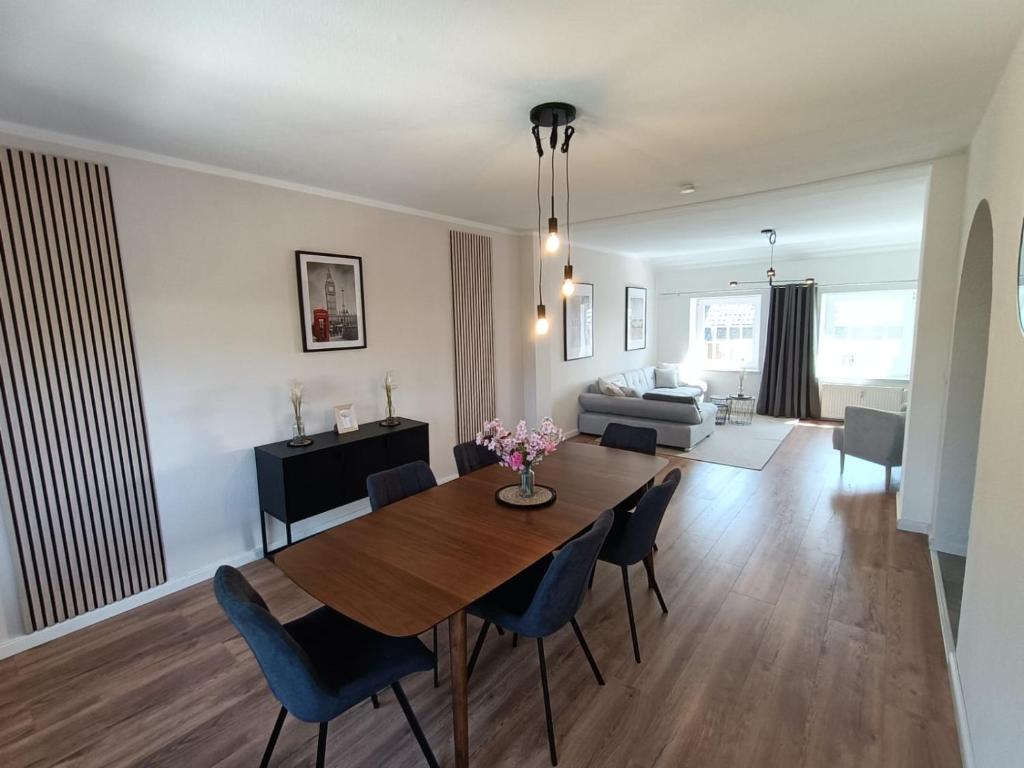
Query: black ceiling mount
{"points": [[553, 113]]}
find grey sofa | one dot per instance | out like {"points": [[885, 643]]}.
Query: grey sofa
{"points": [[873, 435], [678, 414]]}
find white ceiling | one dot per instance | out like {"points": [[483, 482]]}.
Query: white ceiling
{"points": [[424, 104], [859, 214]]}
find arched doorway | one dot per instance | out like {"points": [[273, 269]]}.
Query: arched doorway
{"points": [[968, 360]]}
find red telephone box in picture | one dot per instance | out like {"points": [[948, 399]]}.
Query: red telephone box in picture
{"points": [[321, 325]]}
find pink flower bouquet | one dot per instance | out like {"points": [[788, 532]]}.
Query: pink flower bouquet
{"points": [[522, 449]]}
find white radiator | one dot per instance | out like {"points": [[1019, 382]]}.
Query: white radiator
{"points": [[835, 398]]}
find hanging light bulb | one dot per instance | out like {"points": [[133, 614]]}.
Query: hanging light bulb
{"points": [[568, 286], [552, 243], [542, 321]]}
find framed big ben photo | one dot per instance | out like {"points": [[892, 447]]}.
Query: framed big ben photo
{"points": [[332, 313]]}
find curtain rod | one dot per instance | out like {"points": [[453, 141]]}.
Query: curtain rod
{"points": [[741, 290]]}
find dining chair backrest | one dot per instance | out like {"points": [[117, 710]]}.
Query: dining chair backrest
{"points": [[395, 484], [634, 540], [286, 666], [627, 438], [469, 457], [560, 592]]}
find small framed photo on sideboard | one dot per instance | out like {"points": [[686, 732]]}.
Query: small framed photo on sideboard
{"points": [[345, 419]]}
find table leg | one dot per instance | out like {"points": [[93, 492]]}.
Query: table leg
{"points": [[460, 687]]}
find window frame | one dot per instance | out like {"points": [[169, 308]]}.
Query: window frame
{"points": [[893, 287], [697, 350]]}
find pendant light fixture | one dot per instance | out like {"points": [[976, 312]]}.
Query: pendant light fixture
{"points": [[772, 235], [552, 115]]}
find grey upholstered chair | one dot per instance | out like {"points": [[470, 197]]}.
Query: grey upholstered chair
{"points": [[872, 435]]}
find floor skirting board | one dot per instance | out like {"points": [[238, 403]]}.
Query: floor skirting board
{"points": [[15, 645], [959, 707]]}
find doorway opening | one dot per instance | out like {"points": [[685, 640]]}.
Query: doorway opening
{"points": [[959, 456]]}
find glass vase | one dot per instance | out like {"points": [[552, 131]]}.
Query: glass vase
{"points": [[299, 438], [526, 478]]}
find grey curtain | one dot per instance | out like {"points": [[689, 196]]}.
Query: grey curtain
{"points": [[789, 384]]}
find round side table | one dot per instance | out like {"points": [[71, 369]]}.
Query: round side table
{"points": [[741, 409], [722, 403]]}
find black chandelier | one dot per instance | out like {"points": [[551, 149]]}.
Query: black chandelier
{"points": [[770, 272], [552, 115]]}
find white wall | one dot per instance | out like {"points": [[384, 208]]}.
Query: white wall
{"points": [[991, 635], [210, 271], [677, 285], [936, 297], [558, 381]]}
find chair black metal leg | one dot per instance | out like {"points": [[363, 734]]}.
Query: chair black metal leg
{"points": [[500, 630], [477, 647], [657, 591], [590, 584], [586, 651], [375, 700], [273, 738], [321, 746], [435, 657], [515, 639], [414, 724], [629, 608], [547, 701]]}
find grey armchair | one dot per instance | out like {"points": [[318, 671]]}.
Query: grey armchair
{"points": [[872, 435]]}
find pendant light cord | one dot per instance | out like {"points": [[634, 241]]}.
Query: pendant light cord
{"points": [[540, 242], [568, 216]]}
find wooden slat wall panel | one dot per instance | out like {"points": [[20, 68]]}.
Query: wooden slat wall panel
{"points": [[472, 298], [75, 451]]}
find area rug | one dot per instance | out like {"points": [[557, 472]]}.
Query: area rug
{"points": [[749, 447]]}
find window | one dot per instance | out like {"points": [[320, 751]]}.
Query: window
{"points": [[866, 334], [725, 332]]}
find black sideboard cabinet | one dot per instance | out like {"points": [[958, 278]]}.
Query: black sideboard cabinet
{"points": [[297, 483]]}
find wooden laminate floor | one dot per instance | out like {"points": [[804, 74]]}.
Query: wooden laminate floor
{"points": [[802, 631]]}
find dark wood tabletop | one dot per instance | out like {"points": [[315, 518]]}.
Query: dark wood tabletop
{"points": [[414, 564], [411, 565]]}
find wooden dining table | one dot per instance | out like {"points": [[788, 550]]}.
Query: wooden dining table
{"points": [[423, 560]]}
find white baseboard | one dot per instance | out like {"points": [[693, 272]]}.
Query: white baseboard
{"points": [[21, 643], [570, 433], [301, 530], [959, 706], [904, 524]]}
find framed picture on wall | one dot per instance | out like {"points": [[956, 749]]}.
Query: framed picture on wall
{"points": [[332, 313], [578, 322], [636, 318]]}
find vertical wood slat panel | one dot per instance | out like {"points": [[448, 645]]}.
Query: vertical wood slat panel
{"points": [[473, 318], [75, 452]]}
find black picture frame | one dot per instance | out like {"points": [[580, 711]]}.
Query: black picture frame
{"points": [[315, 319], [565, 323], [634, 292]]}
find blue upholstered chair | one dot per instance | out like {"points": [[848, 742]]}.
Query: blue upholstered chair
{"points": [[543, 599], [469, 457], [395, 484], [631, 540], [322, 664], [627, 438]]}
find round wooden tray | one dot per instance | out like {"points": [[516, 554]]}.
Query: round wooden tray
{"points": [[509, 496]]}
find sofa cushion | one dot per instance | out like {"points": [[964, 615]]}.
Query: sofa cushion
{"points": [[610, 387], [684, 390], [640, 379], [666, 377], [689, 401], [641, 408]]}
